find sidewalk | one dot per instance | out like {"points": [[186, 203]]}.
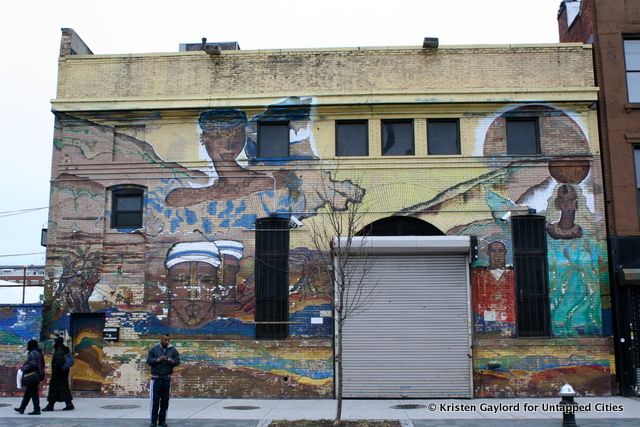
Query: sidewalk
{"points": [[264, 411]]}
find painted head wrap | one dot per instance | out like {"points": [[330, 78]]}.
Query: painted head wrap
{"points": [[193, 251]]}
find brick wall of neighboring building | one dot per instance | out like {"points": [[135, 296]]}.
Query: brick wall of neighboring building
{"points": [[606, 24], [165, 122]]}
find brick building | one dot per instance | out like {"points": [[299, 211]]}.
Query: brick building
{"points": [[175, 176], [613, 26]]}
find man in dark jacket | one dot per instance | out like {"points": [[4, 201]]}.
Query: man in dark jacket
{"points": [[59, 383], [162, 358], [34, 363]]}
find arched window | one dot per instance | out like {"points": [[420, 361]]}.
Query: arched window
{"points": [[400, 226]]}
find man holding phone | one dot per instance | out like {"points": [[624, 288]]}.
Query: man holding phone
{"points": [[162, 358]]}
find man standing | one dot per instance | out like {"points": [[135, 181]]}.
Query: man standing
{"points": [[162, 358]]}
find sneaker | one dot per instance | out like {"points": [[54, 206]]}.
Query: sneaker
{"points": [[18, 410], [35, 412]]}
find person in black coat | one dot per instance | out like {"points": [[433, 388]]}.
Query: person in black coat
{"points": [[35, 362], [59, 383]]}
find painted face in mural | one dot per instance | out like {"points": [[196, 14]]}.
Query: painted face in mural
{"points": [[193, 287], [568, 174], [193, 283], [223, 134], [497, 255]]}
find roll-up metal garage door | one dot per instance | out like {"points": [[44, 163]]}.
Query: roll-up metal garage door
{"points": [[413, 338]]}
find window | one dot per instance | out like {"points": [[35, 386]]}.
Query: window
{"points": [[397, 138], [530, 263], [522, 136], [352, 138], [632, 61], [272, 278], [126, 208], [273, 140], [443, 136]]}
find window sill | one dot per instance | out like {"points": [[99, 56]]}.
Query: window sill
{"points": [[126, 230], [628, 107]]}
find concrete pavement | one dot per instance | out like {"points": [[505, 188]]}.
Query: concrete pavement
{"points": [[596, 411]]}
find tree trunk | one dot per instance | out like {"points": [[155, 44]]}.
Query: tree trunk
{"points": [[338, 420]]}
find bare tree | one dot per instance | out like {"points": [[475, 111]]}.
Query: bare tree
{"points": [[335, 235]]}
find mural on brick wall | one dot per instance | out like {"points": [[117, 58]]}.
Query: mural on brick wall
{"points": [[18, 324], [190, 270]]}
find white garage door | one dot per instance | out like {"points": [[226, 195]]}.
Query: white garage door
{"points": [[413, 339]]}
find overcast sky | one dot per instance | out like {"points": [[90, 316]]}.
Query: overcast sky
{"points": [[30, 34]]}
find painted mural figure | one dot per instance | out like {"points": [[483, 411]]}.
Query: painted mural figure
{"points": [[224, 138], [162, 358], [568, 174], [494, 292], [195, 280], [231, 252]]}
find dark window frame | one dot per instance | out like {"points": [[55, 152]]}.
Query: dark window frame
{"points": [[272, 278], [625, 38], [529, 260], [383, 122], [126, 192], [536, 121], [366, 135], [458, 143], [259, 142]]}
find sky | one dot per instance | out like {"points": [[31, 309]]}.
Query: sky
{"points": [[30, 35]]}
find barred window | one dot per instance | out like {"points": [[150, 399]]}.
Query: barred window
{"points": [[272, 278], [532, 288]]}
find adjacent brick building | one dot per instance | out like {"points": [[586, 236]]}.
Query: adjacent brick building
{"points": [[613, 26], [175, 177]]}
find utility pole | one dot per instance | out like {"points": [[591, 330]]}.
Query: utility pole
{"points": [[24, 283]]}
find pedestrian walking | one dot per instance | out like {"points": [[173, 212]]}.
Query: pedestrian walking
{"points": [[33, 375], [59, 383], [162, 358]]}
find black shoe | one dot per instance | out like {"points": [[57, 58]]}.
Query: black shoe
{"points": [[35, 412], [18, 410], [69, 407], [163, 425], [47, 408], [152, 425]]}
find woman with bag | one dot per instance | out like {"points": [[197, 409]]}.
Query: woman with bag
{"points": [[33, 374], [59, 383]]}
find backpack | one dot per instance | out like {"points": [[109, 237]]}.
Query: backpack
{"points": [[68, 362]]}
